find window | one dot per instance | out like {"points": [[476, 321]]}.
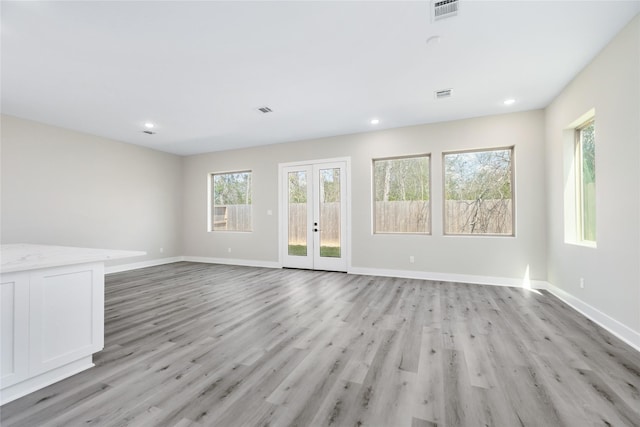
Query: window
{"points": [[401, 195], [585, 157], [230, 205], [478, 192]]}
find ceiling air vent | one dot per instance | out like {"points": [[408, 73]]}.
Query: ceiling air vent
{"points": [[443, 9], [148, 132], [265, 110], [444, 93]]}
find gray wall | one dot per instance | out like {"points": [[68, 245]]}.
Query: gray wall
{"points": [[62, 187], [611, 85], [488, 256]]}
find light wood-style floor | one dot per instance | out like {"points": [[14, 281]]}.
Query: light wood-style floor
{"points": [[192, 344]]}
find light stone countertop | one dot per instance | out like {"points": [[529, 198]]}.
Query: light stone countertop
{"points": [[23, 257]]}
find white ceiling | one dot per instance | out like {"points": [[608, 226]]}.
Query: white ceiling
{"points": [[200, 69]]}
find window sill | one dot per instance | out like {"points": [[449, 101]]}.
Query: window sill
{"points": [[399, 233], [584, 244], [479, 235]]}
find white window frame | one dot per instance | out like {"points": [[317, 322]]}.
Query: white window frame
{"points": [[373, 191], [511, 148], [572, 167], [579, 162], [210, 201]]}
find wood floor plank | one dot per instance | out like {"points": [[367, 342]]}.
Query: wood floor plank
{"points": [[340, 400], [190, 344], [428, 400]]}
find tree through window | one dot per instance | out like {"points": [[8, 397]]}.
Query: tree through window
{"points": [[402, 196], [586, 180], [230, 207], [478, 192]]}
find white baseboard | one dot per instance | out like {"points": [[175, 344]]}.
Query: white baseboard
{"points": [[232, 261], [447, 277], [142, 264], [617, 328]]}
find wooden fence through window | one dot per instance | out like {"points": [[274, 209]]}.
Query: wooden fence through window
{"points": [[462, 217]]}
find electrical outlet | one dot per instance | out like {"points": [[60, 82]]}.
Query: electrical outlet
{"points": [[412, 259], [581, 283], [161, 250], [229, 250]]}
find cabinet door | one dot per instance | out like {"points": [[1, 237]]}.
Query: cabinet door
{"points": [[67, 315], [14, 328]]}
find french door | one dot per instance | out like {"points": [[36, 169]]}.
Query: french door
{"points": [[315, 216]]}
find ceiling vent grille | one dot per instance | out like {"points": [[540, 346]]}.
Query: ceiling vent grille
{"points": [[148, 132], [265, 110], [444, 9], [444, 93]]}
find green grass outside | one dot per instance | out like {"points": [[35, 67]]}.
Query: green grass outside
{"points": [[297, 250], [325, 251]]}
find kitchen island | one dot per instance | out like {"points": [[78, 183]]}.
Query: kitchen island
{"points": [[51, 313]]}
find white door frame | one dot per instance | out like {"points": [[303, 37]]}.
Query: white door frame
{"points": [[283, 205]]}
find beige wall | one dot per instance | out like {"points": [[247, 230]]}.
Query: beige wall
{"points": [[487, 256], [62, 187], [611, 85]]}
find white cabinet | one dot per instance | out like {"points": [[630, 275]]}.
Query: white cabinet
{"points": [[66, 315], [14, 328], [52, 313], [52, 323]]}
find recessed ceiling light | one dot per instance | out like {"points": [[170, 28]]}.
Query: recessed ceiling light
{"points": [[509, 101], [149, 125], [374, 121]]}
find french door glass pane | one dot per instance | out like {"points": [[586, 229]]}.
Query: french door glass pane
{"points": [[330, 212], [298, 213]]}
